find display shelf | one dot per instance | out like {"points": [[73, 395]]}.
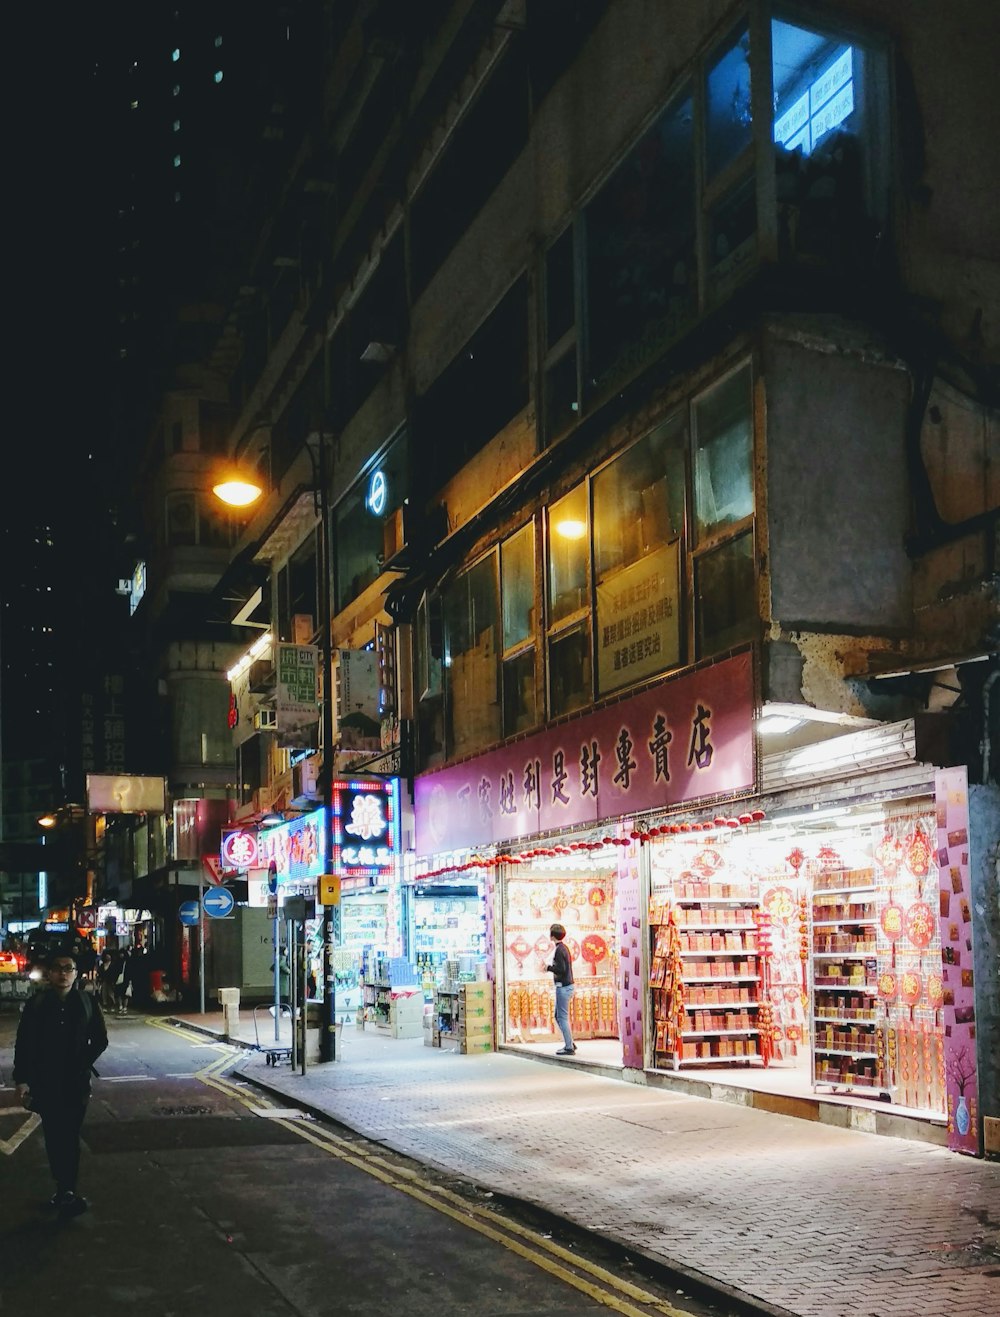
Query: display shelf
{"points": [[683, 976], [722, 1006], [724, 978], [842, 1051], [853, 923], [718, 1033]]}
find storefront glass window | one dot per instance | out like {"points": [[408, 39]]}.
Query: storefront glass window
{"points": [[723, 456], [569, 550], [517, 575], [560, 315], [728, 125], [638, 520], [471, 635], [569, 670], [827, 93], [725, 596], [359, 523], [642, 280]]}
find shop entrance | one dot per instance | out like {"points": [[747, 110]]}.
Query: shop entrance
{"points": [[804, 956], [580, 894]]}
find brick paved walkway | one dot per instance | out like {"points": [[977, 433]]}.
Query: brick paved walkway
{"points": [[794, 1214]]}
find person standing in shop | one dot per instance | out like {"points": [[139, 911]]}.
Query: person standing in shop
{"points": [[561, 969], [60, 1035]]}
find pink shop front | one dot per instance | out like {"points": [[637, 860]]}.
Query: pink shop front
{"points": [[810, 943]]}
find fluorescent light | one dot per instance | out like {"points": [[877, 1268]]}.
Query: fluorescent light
{"points": [[254, 652], [777, 724]]}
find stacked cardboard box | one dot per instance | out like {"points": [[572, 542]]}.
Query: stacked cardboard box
{"points": [[475, 1017]]}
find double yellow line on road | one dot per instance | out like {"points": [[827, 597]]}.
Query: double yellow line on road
{"points": [[588, 1278]]}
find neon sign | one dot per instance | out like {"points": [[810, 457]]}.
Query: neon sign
{"points": [[378, 493], [239, 850]]}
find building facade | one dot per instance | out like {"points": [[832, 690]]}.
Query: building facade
{"points": [[625, 374]]}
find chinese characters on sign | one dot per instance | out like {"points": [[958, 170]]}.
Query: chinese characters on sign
{"points": [[296, 705], [682, 740], [638, 620]]}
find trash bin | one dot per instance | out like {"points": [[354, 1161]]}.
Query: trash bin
{"points": [[230, 1000]]}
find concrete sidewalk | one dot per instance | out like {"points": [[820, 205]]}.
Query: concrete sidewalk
{"points": [[797, 1216]]}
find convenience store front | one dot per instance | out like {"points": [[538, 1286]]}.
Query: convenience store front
{"points": [[365, 849], [544, 817]]}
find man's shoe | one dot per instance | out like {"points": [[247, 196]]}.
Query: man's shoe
{"points": [[52, 1203], [72, 1205], [566, 1051]]}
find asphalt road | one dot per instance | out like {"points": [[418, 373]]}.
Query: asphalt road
{"points": [[208, 1199]]}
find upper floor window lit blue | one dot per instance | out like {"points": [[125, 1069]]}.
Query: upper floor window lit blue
{"points": [[218, 42], [177, 161], [175, 54], [218, 75]]}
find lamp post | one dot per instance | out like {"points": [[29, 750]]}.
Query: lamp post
{"points": [[328, 1030], [241, 492]]}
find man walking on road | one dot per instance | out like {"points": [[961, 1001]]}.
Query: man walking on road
{"points": [[60, 1035]]}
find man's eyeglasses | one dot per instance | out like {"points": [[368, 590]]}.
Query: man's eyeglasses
{"points": [[63, 969]]}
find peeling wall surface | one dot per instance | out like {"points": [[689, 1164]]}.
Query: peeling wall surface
{"points": [[984, 872], [836, 491]]}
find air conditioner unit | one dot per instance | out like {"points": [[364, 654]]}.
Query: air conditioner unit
{"points": [[265, 720]]}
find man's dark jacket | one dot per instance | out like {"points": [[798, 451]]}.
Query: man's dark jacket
{"points": [[56, 1065]]}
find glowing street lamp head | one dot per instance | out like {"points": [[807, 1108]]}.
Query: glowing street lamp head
{"points": [[47, 821], [237, 491]]}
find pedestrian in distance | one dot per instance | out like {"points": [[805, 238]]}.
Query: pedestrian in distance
{"points": [[106, 980], [60, 1035], [561, 969], [123, 982]]}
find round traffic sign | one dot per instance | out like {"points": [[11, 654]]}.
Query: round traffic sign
{"points": [[218, 902], [187, 912]]}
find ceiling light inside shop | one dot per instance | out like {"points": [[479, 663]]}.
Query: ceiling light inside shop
{"points": [[571, 528]]}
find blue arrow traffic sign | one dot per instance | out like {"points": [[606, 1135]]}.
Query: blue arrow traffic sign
{"points": [[218, 902], [188, 912]]}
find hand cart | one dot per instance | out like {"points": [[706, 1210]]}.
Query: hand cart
{"points": [[274, 1050]]}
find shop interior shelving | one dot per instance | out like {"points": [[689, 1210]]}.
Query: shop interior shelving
{"points": [[848, 1018], [711, 997]]}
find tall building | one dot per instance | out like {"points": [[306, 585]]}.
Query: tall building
{"points": [[644, 359]]}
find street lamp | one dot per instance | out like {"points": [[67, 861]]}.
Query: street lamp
{"points": [[241, 491]]}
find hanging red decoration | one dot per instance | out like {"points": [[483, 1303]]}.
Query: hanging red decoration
{"points": [[891, 921], [888, 985], [920, 925], [917, 852], [796, 858], [887, 853]]}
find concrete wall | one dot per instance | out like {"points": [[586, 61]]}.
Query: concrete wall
{"points": [[984, 871], [836, 490]]}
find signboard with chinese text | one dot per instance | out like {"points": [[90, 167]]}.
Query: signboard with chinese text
{"points": [[638, 620], [357, 687], [296, 704], [685, 739], [239, 849], [365, 839]]}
